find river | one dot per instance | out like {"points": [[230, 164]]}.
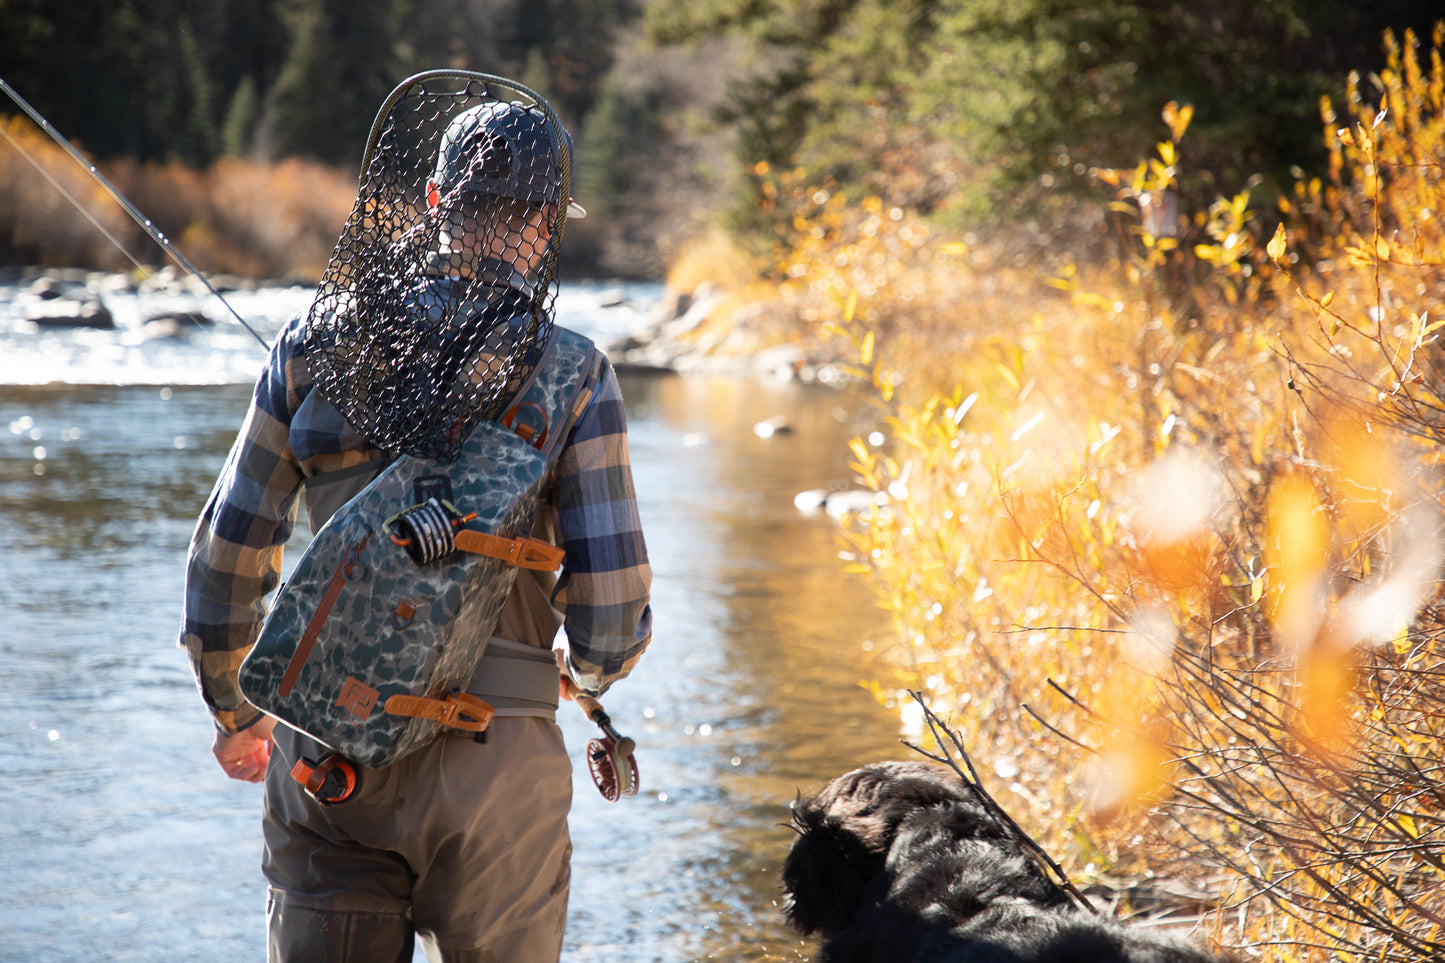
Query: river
{"points": [[122, 840]]}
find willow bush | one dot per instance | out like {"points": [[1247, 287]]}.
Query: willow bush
{"points": [[37, 221], [1162, 537], [237, 216]]}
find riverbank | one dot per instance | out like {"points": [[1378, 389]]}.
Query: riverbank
{"points": [[699, 331]]}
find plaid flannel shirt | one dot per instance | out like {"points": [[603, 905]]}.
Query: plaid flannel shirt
{"points": [[289, 435]]}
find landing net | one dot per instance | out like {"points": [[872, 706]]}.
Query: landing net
{"points": [[439, 298]]}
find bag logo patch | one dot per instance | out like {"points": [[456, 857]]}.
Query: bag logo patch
{"points": [[358, 698]]}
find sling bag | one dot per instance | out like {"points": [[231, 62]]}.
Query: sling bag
{"points": [[388, 612]]}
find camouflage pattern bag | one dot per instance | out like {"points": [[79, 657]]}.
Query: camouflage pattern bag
{"points": [[388, 612]]}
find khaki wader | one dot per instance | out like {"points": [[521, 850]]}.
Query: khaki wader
{"points": [[464, 843]]}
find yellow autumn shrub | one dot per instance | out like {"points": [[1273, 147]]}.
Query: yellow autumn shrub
{"points": [[1162, 537]]}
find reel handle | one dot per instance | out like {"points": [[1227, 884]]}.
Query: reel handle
{"points": [[594, 711]]}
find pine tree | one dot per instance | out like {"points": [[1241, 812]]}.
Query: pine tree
{"points": [[197, 128], [241, 118], [926, 102], [344, 59]]}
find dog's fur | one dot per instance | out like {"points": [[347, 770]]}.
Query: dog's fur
{"points": [[900, 862]]}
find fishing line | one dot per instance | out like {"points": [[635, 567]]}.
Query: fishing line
{"points": [[135, 214]]}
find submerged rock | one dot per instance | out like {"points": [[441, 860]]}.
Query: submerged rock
{"points": [[176, 325], [777, 425], [64, 312]]}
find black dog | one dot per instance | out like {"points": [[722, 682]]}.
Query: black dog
{"points": [[900, 862]]}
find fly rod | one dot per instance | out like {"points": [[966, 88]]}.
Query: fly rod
{"points": [[126, 205]]}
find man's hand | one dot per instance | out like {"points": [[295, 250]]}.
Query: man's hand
{"points": [[244, 755], [566, 687]]}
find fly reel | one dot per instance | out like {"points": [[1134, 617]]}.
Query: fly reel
{"points": [[611, 759]]}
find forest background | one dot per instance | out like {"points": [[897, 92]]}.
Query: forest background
{"points": [[1150, 294], [955, 110]]}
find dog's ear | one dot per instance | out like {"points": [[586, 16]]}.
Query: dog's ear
{"points": [[826, 873]]}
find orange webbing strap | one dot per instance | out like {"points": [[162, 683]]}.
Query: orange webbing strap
{"points": [[460, 710], [530, 553]]}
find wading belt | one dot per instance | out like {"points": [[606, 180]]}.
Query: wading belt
{"points": [[517, 679]]}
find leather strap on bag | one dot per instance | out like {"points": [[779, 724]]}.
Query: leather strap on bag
{"points": [[460, 710], [524, 552]]}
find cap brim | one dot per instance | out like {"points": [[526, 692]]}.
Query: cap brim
{"points": [[575, 210]]}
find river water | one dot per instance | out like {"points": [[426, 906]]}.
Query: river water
{"points": [[121, 840]]}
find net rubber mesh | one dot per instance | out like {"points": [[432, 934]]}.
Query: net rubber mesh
{"points": [[439, 298]]}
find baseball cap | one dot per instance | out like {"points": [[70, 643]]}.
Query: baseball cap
{"points": [[506, 150]]}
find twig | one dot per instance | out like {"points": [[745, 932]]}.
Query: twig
{"points": [[1057, 731], [997, 812]]}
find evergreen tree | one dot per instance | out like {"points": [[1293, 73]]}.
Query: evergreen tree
{"points": [[828, 86], [245, 44], [537, 74], [578, 39], [344, 58], [52, 58], [241, 116], [200, 135], [918, 100], [621, 144], [596, 171]]}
